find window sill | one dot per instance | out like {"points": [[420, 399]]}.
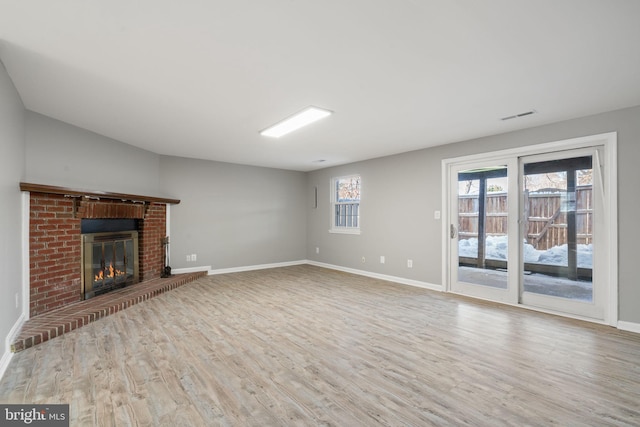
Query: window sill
{"points": [[344, 231]]}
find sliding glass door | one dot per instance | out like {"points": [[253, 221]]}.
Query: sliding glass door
{"points": [[531, 230]]}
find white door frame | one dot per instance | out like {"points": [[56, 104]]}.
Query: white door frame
{"points": [[610, 214]]}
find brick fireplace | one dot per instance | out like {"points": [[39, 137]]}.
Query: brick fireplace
{"points": [[55, 243]]}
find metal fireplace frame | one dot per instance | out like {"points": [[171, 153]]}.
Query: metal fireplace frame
{"points": [[88, 242]]}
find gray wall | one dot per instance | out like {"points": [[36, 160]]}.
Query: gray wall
{"points": [[399, 195], [232, 215], [12, 168], [67, 156], [413, 181]]}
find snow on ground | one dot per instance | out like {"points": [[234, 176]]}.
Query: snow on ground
{"points": [[496, 248]]}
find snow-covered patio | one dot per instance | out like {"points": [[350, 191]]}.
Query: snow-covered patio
{"points": [[497, 249]]}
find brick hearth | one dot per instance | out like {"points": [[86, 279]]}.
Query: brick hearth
{"points": [[58, 322]]}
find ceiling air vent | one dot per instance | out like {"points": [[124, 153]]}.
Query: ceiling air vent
{"points": [[515, 116]]}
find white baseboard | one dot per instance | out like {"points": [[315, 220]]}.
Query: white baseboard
{"points": [[8, 355], [629, 326], [4, 362], [388, 278], [394, 279], [256, 267]]}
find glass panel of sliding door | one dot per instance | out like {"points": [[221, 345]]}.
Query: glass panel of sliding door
{"points": [[558, 244], [482, 227]]}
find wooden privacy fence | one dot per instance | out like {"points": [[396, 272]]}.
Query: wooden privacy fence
{"points": [[545, 212]]}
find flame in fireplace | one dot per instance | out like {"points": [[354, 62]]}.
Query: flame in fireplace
{"points": [[113, 272]]}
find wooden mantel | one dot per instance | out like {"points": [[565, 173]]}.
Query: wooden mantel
{"points": [[71, 192]]}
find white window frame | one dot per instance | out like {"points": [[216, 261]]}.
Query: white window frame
{"points": [[343, 229]]}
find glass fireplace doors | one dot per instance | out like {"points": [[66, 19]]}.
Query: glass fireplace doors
{"points": [[110, 260]]}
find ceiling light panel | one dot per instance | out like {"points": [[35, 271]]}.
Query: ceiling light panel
{"points": [[298, 120]]}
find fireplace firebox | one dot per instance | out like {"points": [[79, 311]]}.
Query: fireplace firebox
{"points": [[110, 261]]}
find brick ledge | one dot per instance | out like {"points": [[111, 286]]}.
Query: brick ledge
{"points": [[58, 322]]}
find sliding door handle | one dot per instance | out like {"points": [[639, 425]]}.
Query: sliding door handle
{"points": [[453, 231]]}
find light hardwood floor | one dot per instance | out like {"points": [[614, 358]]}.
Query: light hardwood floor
{"points": [[307, 346]]}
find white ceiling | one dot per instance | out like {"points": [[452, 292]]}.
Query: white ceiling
{"points": [[201, 78]]}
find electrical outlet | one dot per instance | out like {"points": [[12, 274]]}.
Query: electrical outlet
{"points": [[409, 263], [188, 258], [194, 257], [436, 215], [364, 260], [317, 250], [382, 259]]}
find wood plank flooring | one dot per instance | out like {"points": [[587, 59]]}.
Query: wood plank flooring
{"points": [[306, 346]]}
